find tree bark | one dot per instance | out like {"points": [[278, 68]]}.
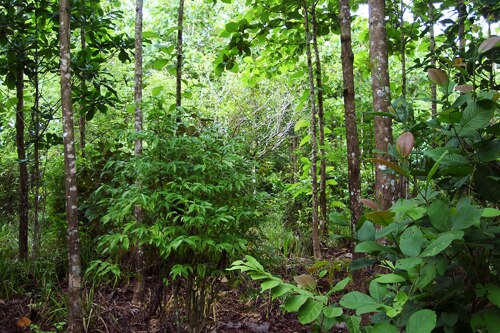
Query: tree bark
{"points": [[314, 144], [432, 49], [138, 212], [384, 182], [353, 155], [180, 25], [82, 121], [36, 147], [321, 127], [23, 164], [75, 324], [403, 49]]}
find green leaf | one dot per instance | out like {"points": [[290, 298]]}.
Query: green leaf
{"points": [[441, 243], [390, 278], [160, 63], [486, 321], [377, 291], [356, 300], [301, 123], [305, 140], [407, 263], [280, 290], [332, 312], [341, 285], [490, 212], [474, 117], [411, 241], [489, 152], [269, 284], [309, 311], [440, 215], [353, 323], [383, 218], [149, 34], [156, 91], [493, 294], [370, 247], [422, 321], [293, 303], [466, 215], [232, 27], [366, 232]]}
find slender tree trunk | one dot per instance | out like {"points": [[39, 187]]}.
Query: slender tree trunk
{"points": [[462, 14], [75, 324], [180, 25], [353, 156], [384, 182], [36, 144], [403, 48], [139, 257], [432, 49], [82, 120], [23, 165], [314, 152], [321, 127]]}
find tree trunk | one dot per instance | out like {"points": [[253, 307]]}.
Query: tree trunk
{"points": [[321, 127], [403, 48], [353, 156], [314, 144], [36, 147], [75, 324], [23, 165], [432, 49], [139, 256], [384, 182], [180, 24], [82, 120], [462, 14]]}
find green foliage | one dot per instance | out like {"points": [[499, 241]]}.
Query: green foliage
{"points": [[311, 305]]}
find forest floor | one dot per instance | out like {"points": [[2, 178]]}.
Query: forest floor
{"points": [[238, 309]]}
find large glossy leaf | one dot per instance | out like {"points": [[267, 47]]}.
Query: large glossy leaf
{"points": [[489, 152], [390, 278], [440, 215], [411, 241], [370, 247], [377, 290], [466, 215], [293, 303], [383, 218], [408, 263], [474, 117], [382, 328], [366, 232], [309, 311], [356, 300], [441, 243], [422, 321], [332, 312]]}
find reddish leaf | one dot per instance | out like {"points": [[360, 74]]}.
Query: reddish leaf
{"points": [[305, 281], [370, 204], [489, 44], [24, 322], [405, 144], [438, 76], [464, 88]]}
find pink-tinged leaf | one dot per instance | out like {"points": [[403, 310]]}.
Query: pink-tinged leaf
{"points": [[489, 44], [463, 88], [370, 204], [438, 76], [388, 164], [306, 281], [405, 144], [383, 218]]}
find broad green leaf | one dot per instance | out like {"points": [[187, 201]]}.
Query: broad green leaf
{"points": [[355, 300], [411, 241], [377, 290], [160, 63], [489, 152], [332, 312], [301, 123], [280, 290], [422, 321], [366, 232], [390, 278], [426, 275], [466, 215], [474, 117], [370, 247], [232, 26], [440, 215], [493, 294], [305, 140], [441, 243], [408, 263], [309, 311], [149, 34], [156, 91], [353, 323], [293, 303], [269, 284], [490, 212], [486, 321], [341, 285]]}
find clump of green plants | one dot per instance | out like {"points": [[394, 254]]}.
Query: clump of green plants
{"points": [[199, 208]]}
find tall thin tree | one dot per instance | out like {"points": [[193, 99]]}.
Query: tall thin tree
{"points": [[321, 125], [75, 324], [314, 143], [353, 155], [180, 25], [384, 182], [138, 212], [432, 49]]}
